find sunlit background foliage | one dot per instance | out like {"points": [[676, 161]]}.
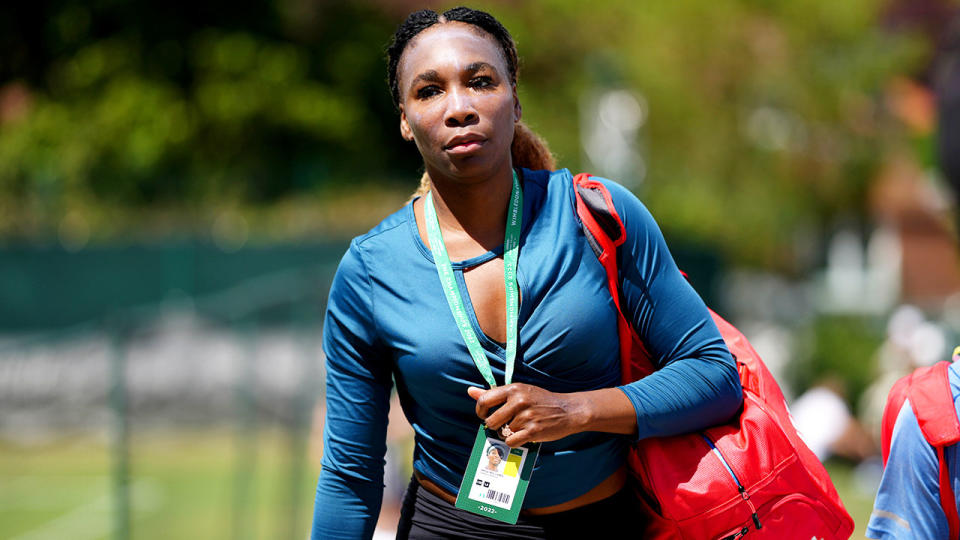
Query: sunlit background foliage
{"points": [[178, 180], [764, 120]]}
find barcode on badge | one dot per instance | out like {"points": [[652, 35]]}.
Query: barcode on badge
{"points": [[503, 498]]}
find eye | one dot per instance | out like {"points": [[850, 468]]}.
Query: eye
{"points": [[427, 92], [482, 81]]}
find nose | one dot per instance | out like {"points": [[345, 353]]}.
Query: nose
{"points": [[460, 109]]}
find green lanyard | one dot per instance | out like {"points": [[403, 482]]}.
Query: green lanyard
{"points": [[511, 246]]}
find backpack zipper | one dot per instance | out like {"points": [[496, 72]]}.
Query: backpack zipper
{"points": [[739, 534], [742, 490]]}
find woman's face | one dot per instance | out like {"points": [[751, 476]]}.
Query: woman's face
{"points": [[494, 458], [457, 101]]}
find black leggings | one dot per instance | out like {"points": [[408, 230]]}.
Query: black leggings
{"points": [[425, 516]]}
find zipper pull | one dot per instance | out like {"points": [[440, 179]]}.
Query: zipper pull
{"points": [[743, 532], [754, 516]]}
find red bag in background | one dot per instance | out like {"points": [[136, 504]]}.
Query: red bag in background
{"points": [[753, 475], [931, 399]]}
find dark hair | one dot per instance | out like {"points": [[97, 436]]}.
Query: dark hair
{"points": [[419, 21], [528, 149]]}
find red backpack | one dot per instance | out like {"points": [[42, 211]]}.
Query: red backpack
{"points": [[752, 475], [928, 389]]}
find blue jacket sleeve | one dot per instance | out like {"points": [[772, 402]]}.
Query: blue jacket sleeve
{"points": [[908, 500], [358, 383], [696, 383]]}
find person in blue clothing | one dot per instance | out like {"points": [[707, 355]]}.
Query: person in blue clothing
{"points": [[908, 503], [482, 302]]}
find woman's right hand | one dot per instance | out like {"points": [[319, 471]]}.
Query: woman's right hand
{"points": [[534, 414]]}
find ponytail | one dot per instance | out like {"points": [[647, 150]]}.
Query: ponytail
{"points": [[528, 150]]}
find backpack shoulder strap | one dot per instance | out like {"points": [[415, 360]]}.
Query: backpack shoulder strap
{"points": [[932, 402], [599, 217], [895, 399], [605, 233], [947, 500], [931, 399]]}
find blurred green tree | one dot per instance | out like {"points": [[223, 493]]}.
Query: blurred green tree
{"points": [[116, 106], [765, 119]]}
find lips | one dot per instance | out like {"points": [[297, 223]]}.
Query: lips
{"points": [[464, 143]]}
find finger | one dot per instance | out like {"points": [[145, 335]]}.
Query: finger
{"points": [[518, 400], [508, 414], [475, 392], [491, 398]]}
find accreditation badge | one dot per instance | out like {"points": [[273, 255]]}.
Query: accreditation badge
{"points": [[496, 478]]}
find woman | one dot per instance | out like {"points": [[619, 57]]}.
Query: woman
{"points": [[494, 458], [392, 315]]}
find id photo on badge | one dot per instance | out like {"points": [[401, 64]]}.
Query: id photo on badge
{"points": [[495, 454]]}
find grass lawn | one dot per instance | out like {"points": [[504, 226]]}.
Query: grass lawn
{"points": [[195, 485], [857, 497], [204, 485]]}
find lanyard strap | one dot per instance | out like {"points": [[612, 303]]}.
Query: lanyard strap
{"points": [[511, 247]]}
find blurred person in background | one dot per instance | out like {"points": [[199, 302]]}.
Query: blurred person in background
{"points": [[912, 341], [908, 502], [825, 423], [453, 78]]}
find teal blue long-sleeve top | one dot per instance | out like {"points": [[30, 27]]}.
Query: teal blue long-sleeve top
{"points": [[388, 320]]}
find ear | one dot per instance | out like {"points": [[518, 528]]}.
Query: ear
{"points": [[517, 109], [405, 130]]}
